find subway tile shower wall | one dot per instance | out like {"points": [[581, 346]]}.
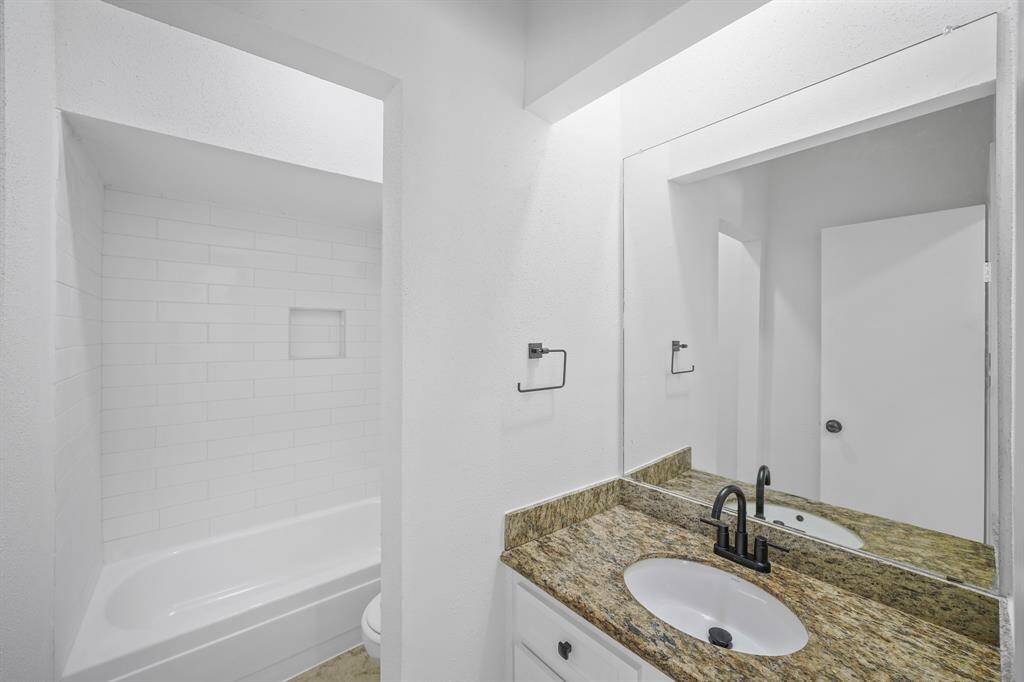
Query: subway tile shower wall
{"points": [[208, 423]]}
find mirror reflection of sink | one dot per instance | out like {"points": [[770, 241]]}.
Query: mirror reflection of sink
{"points": [[694, 597], [806, 522], [812, 524]]}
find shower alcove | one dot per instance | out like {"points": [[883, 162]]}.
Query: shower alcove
{"points": [[218, 379]]}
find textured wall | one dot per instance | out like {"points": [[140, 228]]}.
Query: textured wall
{"points": [[562, 40], [505, 232], [209, 425], [774, 50], [119, 66], [77, 311], [29, 177]]}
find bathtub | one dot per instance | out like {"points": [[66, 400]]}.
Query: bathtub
{"points": [[265, 603]]}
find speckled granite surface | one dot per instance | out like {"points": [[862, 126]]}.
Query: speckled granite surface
{"points": [[851, 638], [965, 560], [530, 523], [663, 469], [963, 610]]}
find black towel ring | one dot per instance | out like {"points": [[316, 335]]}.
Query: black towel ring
{"points": [[676, 346], [536, 351]]}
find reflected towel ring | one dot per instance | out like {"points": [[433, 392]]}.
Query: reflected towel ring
{"points": [[676, 346], [536, 351]]}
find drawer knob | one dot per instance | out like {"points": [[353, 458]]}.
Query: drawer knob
{"points": [[564, 649]]}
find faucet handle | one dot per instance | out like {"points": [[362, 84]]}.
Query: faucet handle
{"points": [[722, 539], [769, 543], [761, 545]]}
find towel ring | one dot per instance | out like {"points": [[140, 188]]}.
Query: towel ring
{"points": [[676, 346], [535, 351]]}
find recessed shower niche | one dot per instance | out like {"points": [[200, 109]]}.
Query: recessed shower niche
{"points": [[316, 333]]}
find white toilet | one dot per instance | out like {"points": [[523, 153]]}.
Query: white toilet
{"points": [[371, 628]]}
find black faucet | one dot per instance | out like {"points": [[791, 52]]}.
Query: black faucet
{"points": [[738, 553], [764, 477]]}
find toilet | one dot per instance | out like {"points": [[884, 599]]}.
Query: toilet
{"points": [[371, 628]]}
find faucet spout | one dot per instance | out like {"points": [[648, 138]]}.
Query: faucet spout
{"points": [[764, 477], [741, 507], [738, 553]]}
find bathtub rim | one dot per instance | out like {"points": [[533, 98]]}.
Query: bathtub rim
{"points": [[148, 558], [79, 663]]}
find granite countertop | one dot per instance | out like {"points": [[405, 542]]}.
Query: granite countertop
{"points": [[849, 637], [965, 560]]}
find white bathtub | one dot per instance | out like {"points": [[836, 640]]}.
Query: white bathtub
{"points": [[261, 604]]}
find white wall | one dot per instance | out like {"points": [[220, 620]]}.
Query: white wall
{"points": [[30, 153], [564, 38], [1014, 208], [776, 49], [119, 66], [737, 357], [506, 231], [671, 291], [531, 258], [77, 337], [209, 424], [579, 51]]}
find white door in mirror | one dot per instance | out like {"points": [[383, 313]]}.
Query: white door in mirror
{"points": [[695, 598], [902, 368]]}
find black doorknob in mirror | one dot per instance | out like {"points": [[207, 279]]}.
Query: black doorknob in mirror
{"points": [[833, 426]]}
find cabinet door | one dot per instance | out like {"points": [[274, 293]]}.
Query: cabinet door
{"points": [[529, 668], [583, 659]]}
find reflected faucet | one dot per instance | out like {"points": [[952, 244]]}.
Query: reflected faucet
{"points": [[738, 553], [764, 477]]}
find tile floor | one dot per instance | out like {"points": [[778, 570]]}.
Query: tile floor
{"points": [[352, 666]]}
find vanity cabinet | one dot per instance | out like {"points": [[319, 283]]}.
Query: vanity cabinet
{"points": [[546, 642], [528, 668]]}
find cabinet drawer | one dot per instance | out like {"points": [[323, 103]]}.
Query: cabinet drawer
{"points": [[529, 668], [565, 648]]}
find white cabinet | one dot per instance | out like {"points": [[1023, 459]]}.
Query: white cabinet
{"points": [[547, 641], [529, 668]]}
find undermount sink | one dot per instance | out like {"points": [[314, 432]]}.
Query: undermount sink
{"points": [[695, 598], [812, 524]]}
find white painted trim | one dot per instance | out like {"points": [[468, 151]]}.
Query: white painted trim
{"points": [[686, 26], [947, 70], [217, 21]]}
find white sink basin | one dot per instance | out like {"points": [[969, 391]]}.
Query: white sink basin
{"points": [[812, 524], [695, 597]]}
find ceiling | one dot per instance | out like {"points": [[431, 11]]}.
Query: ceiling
{"points": [[141, 161]]}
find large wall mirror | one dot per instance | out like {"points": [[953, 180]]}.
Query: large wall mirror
{"points": [[807, 297]]}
